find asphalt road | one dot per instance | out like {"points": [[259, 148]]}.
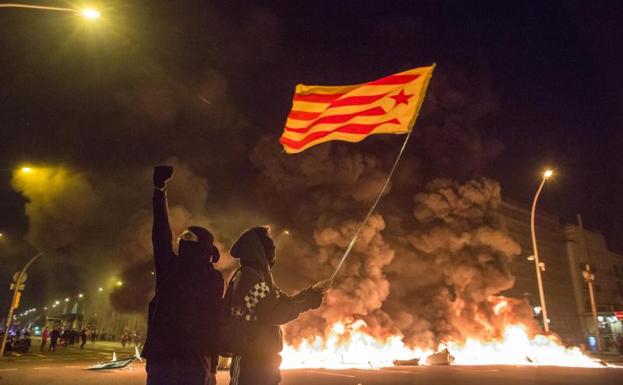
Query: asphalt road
{"points": [[55, 374], [68, 367]]}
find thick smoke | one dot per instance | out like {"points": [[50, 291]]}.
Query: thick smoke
{"points": [[61, 206], [451, 263], [59, 202]]}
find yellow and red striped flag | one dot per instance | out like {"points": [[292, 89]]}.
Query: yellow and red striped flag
{"points": [[351, 113]]}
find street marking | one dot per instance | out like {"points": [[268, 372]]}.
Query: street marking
{"points": [[71, 366], [8, 370], [330, 374], [476, 370], [38, 355], [41, 367], [399, 371]]}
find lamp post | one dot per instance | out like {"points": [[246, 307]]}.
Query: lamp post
{"points": [[87, 13], [18, 285], [537, 264]]}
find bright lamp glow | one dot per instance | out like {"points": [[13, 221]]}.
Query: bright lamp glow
{"points": [[548, 173], [90, 13], [26, 170]]}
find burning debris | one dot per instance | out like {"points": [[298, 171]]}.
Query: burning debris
{"points": [[441, 358]]}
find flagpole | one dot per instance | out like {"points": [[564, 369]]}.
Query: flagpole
{"points": [[376, 202], [389, 177]]}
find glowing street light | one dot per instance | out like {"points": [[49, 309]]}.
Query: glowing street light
{"points": [[90, 13], [66, 299], [57, 302], [537, 264], [100, 289], [119, 283], [80, 295], [26, 170]]}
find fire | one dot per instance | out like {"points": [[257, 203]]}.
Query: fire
{"points": [[348, 345]]}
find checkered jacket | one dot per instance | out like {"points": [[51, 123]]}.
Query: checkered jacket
{"points": [[256, 299]]}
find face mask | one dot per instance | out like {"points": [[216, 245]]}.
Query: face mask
{"points": [[188, 236]]}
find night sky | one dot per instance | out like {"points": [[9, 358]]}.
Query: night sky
{"points": [[203, 81]]}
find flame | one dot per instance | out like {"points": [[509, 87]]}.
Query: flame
{"points": [[348, 345]]}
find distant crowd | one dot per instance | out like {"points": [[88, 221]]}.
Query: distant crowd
{"points": [[61, 338]]}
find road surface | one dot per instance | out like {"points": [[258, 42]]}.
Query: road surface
{"points": [[67, 367]]}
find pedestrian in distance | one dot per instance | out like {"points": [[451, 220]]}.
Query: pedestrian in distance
{"points": [[44, 338], [64, 339], [254, 309], [84, 335], [619, 341], [124, 339], [54, 337], [189, 292]]}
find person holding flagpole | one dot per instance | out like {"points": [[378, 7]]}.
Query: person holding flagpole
{"points": [[255, 308]]}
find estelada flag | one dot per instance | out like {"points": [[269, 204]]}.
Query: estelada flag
{"points": [[351, 113]]}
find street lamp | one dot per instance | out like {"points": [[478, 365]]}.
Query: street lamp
{"points": [[18, 286], [537, 264], [87, 13], [90, 13]]}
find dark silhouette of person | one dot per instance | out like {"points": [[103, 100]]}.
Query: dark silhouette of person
{"points": [[54, 336], [44, 338], [253, 297], [84, 336], [189, 292]]}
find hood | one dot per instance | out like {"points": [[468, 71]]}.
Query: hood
{"points": [[249, 249]]}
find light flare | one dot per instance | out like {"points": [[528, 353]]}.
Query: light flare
{"points": [[90, 13]]}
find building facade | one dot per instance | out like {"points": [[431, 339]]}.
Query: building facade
{"points": [[584, 248], [562, 251]]}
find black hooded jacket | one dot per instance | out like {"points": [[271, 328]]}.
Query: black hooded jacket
{"points": [[185, 311], [253, 297]]}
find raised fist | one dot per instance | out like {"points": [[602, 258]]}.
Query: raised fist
{"points": [[161, 175]]}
